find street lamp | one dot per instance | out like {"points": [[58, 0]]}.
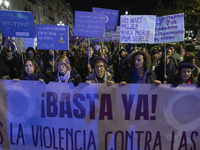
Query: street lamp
{"points": [[6, 3], [126, 12], [60, 23]]}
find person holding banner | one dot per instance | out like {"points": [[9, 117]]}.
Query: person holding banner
{"points": [[184, 75], [170, 70], [140, 71], [85, 65], [31, 71], [64, 72], [100, 75]]}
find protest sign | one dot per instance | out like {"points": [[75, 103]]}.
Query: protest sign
{"points": [[130, 117], [111, 17], [115, 35], [17, 24], [169, 28], [137, 28], [89, 24], [29, 42], [52, 37]]}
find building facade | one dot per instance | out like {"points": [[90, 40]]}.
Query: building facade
{"points": [[46, 11]]}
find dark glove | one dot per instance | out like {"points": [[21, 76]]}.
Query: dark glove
{"points": [[175, 84]]}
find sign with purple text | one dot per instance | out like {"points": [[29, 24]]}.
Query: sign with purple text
{"points": [[17, 24], [98, 117], [89, 24], [111, 17], [137, 28], [169, 28], [52, 37]]}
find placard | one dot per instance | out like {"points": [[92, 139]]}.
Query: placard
{"points": [[17, 24], [169, 28], [137, 28], [111, 17], [115, 35], [52, 37], [89, 24]]}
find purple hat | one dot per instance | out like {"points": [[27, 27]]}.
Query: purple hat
{"points": [[101, 59], [185, 65]]}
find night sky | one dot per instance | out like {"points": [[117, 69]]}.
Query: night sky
{"points": [[140, 7]]}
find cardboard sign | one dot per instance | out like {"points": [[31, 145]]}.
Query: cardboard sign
{"points": [[169, 28], [17, 24], [137, 28], [89, 24], [111, 17], [52, 37]]}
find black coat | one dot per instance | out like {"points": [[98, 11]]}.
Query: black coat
{"points": [[151, 77], [159, 70]]}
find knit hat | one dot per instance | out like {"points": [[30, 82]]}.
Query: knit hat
{"points": [[185, 65]]}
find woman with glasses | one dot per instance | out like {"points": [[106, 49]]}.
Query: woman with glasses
{"points": [[64, 72], [100, 75]]}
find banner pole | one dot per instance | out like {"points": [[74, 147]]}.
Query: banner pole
{"points": [[136, 47], [53, 61], [88, 50], [21, 50], [165, 59]]}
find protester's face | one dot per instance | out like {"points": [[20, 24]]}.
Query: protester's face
{"points": [[169, 52], [155, 56], [50, 52], [123, 54], [186, 74], [143, 50], [139, 61], [100, 69], [29, 68], [51, 62], [193, 61], [90, 52], [62, 68], [30, 54]]}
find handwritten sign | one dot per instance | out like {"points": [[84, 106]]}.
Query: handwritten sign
{"points": [[89, 24], [52, 37], [17, 24], [169, 28], [137, 28], [111, 17]]}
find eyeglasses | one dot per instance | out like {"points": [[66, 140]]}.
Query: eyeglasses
{"points": [[99, 67]]}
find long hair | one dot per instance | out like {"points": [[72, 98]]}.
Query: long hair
{"points": [[35, 65], [146, 57], [64, 60]]}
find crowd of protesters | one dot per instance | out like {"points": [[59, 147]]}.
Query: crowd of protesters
{"points": [[103, 63]]}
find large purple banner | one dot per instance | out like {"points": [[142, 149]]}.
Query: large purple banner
{"points": [[36, 116]]}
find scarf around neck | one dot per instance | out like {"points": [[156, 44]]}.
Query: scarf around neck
{"points": [[64, 78]]}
